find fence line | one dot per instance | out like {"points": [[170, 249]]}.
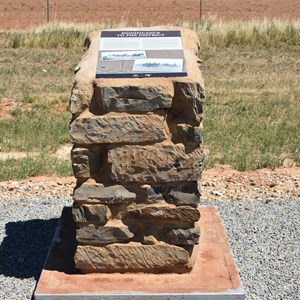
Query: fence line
{"points": [[51, 11]]}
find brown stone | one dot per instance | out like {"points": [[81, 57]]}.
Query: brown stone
{"points": [[80, 162], [103, 235], [187, 105], [86, 161], [150, 195], [91, 129], [184, 193], [136, 99], [97, 193], [186, 88], [150, 240], [189, 134], [164, 162], [183, 236], [181, 198], [132, 257], [81, 94], [155, 213], [94, 213], [214, 272]]}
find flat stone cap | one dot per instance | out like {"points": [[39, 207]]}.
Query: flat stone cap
{"points": [[85, 79]]}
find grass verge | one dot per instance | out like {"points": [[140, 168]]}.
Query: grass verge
{"points": [[252, 107], [252, 84], [34, 166]]}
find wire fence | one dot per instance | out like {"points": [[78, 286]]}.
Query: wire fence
{"points": [[22, 13], [16, 13]]}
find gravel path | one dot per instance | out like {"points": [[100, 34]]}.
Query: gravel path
{"points": [[263, 231]]}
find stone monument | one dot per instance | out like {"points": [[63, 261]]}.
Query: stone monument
{"points": [[133, 231], [138, 151]]}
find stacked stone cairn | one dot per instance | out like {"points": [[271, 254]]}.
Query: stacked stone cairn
{"points": [[137, 157]]}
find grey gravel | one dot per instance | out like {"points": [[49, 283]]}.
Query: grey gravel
{"points": [[26, 230], [264, 238]]}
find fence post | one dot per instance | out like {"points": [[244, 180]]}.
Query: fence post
{"points": [[48, 11], [200, 11]]}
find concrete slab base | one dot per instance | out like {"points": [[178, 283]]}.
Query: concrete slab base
{"points": [[214, 275]]}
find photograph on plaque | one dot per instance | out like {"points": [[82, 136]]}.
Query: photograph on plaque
{"points": [[134, 54], [123, 55], [158, 65]]}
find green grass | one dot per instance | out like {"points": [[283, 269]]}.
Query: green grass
{"points": [[34, 166], [39, 130], [252, 107], [252, 80]]}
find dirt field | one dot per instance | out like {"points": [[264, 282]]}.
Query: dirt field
{"points": [[22, 13]]}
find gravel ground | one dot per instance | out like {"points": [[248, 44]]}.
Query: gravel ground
{"points": [[263, 232]]}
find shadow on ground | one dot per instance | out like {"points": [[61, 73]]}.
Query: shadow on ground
{"points": [[24, 249]]}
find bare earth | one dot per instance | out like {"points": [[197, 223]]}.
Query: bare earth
{"points": [[16, 13], [221, 183]]}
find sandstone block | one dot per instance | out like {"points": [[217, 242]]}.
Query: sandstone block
{"points": [[164, 162], [189, 134], [86, 162], [181, 198], [187, 104], [97, 193], [135, 88], [150, 195], [149, 240], [91, 129], [103, 235], [183, 236], [132, 257], [95, 213], [81, 95], [137, 99], [80, 162], [156, 213]]}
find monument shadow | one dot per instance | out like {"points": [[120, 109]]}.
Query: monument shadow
{"points": [[24, 250]]}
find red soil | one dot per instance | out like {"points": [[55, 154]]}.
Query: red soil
{"points": [[21, 13]]}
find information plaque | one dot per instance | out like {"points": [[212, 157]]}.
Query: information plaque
{"points": [[138, 54]]}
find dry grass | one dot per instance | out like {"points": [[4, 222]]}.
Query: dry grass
{"points": [[252, 84], [252, 106]]}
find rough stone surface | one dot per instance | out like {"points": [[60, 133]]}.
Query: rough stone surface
{"points": [[86, 161], [150, 195], [103, 235], [86, 84], [148, 134], [81, 95], [97, 193], [187, 104], [91, 129], [162, 213], [96, 213], [133, 257], [150, 240], [181, 198], [185, 193], [80, 162], [164, 162], [189, 134], [183, 236], [135, 98]]}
